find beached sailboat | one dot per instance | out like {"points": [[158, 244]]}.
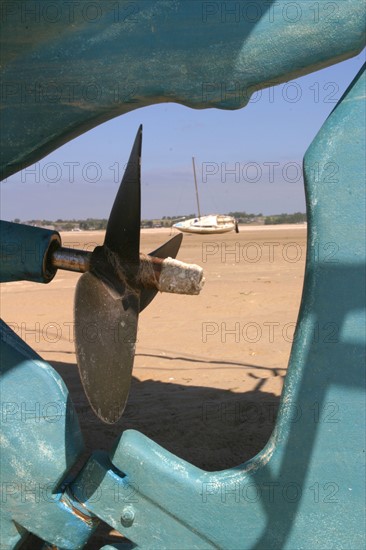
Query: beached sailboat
{"points": [[213, 223]]}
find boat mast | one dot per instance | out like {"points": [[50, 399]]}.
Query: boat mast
{"points": [[195, 183]]}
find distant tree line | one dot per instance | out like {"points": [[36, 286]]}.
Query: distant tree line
{"points": [[96, 224], [93, 224], [89, 224], [298, 217]]}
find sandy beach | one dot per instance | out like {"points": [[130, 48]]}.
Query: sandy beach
{"points": [[209, 369]]}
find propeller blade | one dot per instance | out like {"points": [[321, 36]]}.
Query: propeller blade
{"points": [[167, 250], [105, 334], [108, 300], [123, 228], [106, 305]]}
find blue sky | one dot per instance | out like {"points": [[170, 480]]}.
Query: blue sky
{"points": [[247, 160]]}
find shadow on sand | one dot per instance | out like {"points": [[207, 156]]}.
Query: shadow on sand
{"points": [[211, 428]]}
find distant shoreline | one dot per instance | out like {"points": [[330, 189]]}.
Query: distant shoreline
{"points": [[243, 228]]}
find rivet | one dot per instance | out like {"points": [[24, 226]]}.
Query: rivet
{"points": [[128, 515]]}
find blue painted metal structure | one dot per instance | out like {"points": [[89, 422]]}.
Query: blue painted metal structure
{"points": [[306, 488], [24, 252]]}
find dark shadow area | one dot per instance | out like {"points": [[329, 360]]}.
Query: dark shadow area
{"points": [[101, 537], [211, 428]]}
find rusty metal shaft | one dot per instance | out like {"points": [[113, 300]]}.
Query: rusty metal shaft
{"points": [[166, 275], [70, 259]]}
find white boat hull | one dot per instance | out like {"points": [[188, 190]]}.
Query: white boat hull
{"points": [[207, 225]]}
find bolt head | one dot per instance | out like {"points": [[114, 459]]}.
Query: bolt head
{"points": [[128, 515]]}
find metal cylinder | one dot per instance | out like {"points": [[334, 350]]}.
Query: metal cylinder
{"points": [[24, 252], [71, 259]]}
